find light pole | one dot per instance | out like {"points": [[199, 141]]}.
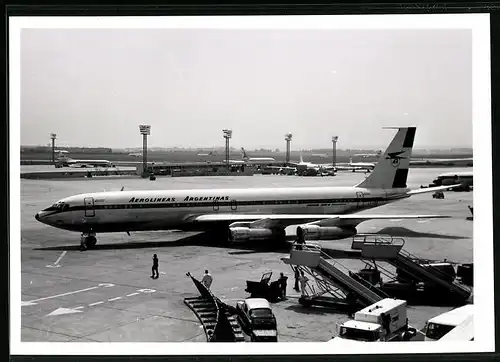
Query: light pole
{"points": [[227, 135], [145, 131], [53, 137], [288, 139], [334, 154]]}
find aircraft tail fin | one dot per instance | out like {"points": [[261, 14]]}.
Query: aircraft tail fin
{"points": [[243, 153], [301, 159], [392, 167]]}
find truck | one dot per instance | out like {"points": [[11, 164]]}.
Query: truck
{"points": [[368, 324], [265, 288]]}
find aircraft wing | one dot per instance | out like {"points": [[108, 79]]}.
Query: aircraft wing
{"points": [[431, 189], [284, 220]]}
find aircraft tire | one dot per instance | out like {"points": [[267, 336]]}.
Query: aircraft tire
{"points": [[90, 242]]}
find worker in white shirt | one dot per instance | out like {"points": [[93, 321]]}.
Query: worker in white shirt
{"points": [[207, 280], [303, 283]]}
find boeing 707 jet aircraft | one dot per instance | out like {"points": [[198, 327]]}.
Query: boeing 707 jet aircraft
{"points": [[245, 214]]}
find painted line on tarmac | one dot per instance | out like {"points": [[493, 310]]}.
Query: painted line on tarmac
{"points": [[141, 291], [33, 302], [96, 303], [60, 257], [62, 310], [62, 295], [56, 264]]}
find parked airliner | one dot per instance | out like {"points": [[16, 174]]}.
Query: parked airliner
{"points": [[245, 214], [255, 159], [63, 161], [307, 165]]}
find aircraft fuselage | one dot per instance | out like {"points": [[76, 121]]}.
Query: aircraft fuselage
{"points": [[163, 210]]}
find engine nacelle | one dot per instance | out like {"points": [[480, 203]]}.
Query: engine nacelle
{"points": [[315, 232], [245, 234]]}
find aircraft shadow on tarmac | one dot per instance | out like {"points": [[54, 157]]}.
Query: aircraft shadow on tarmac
{"points": [[201, 239], [402, 232], [242, 248]]}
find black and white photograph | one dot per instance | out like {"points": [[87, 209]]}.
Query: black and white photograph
{"points": [[250, 179]]}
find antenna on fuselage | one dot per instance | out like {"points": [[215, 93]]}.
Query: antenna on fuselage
{"points": [[122, 188]]}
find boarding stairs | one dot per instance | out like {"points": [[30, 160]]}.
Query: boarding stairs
{"points": [[312, 257], [323, 287], [389, 249], [215, 316]]}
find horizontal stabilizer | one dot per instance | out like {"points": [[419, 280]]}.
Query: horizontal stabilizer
{"points": [[431, 189]]}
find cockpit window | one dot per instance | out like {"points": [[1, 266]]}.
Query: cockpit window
{"points": [[59, 206]]}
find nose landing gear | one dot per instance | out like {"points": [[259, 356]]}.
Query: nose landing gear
{"points": [[88, 241]]}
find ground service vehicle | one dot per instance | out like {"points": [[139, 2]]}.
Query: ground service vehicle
{"points": [[264, 289], [257, 319], [442, 324], [368, 323]]}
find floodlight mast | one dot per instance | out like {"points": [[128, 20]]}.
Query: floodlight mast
{"points": [[53, 137], [288, 139], [334, 153], [227, 134], [145, 130]]}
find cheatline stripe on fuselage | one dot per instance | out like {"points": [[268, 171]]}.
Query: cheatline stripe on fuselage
{"points": [[311, 202]]}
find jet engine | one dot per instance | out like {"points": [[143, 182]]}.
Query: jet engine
{"points": [[315, 232], [246, 234]]}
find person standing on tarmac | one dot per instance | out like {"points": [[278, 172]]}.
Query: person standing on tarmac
{"points": [[386, 324], [154, 269], [297, 277], [282, 285], [303, 283], [207, 280]]}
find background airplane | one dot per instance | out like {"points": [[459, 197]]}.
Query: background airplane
{"points": [[245, 157], [65, 161]]}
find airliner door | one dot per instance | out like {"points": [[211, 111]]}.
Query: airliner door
{"points": [[359, 197], [89, 206], [234, 205]]}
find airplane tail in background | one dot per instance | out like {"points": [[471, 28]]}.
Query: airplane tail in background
{"points": [[243, 153], [392, 167], [301, 159]]}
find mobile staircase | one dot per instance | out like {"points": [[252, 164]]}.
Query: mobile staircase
{"points": [[215, 316], [331, 277], [389, 249]]}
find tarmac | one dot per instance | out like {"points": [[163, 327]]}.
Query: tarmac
{"points": [[107, 294]]}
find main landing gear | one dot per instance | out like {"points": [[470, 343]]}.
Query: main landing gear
{"points": [[88, 241]]}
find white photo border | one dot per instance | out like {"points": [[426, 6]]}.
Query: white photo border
{"points": [[479, 24]]}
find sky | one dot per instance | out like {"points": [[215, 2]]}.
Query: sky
{"points": [[93, 87]]}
